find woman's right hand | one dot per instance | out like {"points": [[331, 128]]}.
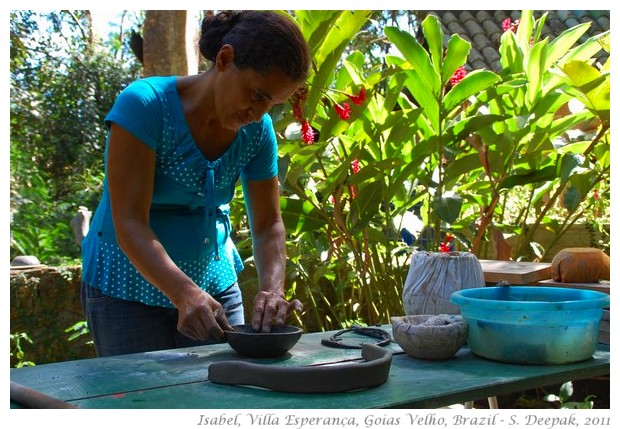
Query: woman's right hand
{"points": [[201, 317]]}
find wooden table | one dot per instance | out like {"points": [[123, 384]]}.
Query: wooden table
{"points": [[514, 272], [179, 379]]}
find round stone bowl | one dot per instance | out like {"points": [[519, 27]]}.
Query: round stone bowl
{"points": [[431, 337], [263, 344]]}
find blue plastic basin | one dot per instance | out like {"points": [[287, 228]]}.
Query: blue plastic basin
{"points": [[530, 324]]}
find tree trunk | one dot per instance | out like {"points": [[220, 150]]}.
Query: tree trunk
{"points": [[170, 39]]}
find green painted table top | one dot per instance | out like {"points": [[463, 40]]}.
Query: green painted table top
{"points": [[179, 379]]}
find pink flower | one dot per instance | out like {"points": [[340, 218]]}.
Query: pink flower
{"points": [[344, 110], [307, 133], [355, 165], [507, 25], [458, 75], [358, 99]]}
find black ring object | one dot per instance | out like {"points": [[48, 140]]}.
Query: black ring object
{"points": [[373, 371], [335, 341]]}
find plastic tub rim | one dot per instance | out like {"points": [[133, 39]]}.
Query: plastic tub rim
{"points": [[595, 300]]}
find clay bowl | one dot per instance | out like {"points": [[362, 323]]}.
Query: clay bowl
{"points": [[263, 344], [430, 337]]}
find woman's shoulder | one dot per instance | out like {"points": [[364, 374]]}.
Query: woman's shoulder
{"points": [[150, 87], [147, 93]]}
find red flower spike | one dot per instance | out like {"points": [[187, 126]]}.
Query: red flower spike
{"points": [[307, 133], [444, 247], [355, 165], [449, 237], [508, 25], [458, 75], [360, 98], [344, 110]]}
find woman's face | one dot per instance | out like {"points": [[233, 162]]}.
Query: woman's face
{"points": [[244, 95]]}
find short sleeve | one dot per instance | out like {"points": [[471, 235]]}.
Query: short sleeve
{"points": [[264, 165], [138, 109]]}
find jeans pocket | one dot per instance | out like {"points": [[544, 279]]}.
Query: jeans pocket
{"points": [[93, 295]]}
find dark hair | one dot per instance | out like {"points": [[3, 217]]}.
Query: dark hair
{"points": [[263, 41]]}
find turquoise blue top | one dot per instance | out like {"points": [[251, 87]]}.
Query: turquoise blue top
{"points": [[189, 211]]}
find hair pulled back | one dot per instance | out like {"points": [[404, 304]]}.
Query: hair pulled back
{"points": [[263, 41]]}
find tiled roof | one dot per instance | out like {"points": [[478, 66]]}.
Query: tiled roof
{"points": [[483, 28]]}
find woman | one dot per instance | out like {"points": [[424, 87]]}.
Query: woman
{"points": [[159, 266]]}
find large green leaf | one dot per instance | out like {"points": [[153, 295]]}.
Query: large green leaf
{"points": [[300, 216], [448, 206], [571, 198], [328, 40], [417, 57], [456, 55], [535, 70], [424, 98], [525, 29], [473, 83], [465, 127], [463, 165], [434, 39], [592, 85], [569, 164], [560, 46], [533, 176], [511, 56]]}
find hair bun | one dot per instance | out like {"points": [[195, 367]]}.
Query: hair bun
{"points": [[214, 28]]}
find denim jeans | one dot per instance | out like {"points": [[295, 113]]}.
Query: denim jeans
{"points": [[118, 326]]}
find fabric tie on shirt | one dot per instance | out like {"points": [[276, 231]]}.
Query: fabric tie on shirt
{"points": [[211, 213]]}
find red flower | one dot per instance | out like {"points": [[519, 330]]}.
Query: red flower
{"points": [[444, 247], [449, 237], [458, 75], [595, 195], [358, 99], [355, 165], [307, 133], [507, 25], [343, 111]]}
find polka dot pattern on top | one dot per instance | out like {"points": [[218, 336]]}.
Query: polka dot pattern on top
{"points": [[151, 110]]}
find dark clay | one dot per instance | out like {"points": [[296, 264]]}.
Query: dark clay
{"points": [[308, 379]]}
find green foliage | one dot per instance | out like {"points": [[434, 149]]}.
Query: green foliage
{"points": [[17, 350], [61, 89], [563, 396], [466, 152], [78, 330], [494, 149]]}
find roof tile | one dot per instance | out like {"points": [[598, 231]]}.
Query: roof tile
{"points": [[483, 29]]}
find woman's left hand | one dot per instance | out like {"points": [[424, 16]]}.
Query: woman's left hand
{"points": [[270, 306]]}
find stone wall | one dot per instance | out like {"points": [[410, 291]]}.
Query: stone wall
{"points": [[44, 303]]}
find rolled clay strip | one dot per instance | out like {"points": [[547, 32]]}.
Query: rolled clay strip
{"points": [[31, 398], [372, 372]]}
